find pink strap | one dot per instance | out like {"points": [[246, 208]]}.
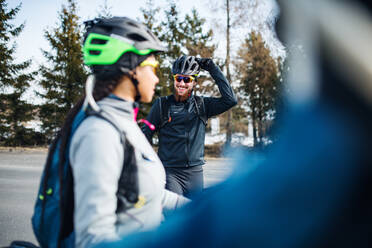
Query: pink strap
{"points": [[151, 126], [135, 113]]}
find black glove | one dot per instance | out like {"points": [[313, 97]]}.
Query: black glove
{"points": [[205, 63]]}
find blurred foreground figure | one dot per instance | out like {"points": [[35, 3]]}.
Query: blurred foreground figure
{"points": [[314, 188]]}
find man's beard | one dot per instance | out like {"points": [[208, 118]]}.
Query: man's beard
{"points": [[183, 97]]}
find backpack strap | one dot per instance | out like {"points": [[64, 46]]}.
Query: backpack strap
{"points": [[200, 109], [67, 207], [128, 188], [107, 117], [164, 106]]}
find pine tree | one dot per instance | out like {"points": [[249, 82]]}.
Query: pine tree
{"points": [[199, 43], [150, 15], [235, 12], [151, 20], [181, 36], [104, 10], [14, 81], [64, 76], [260, 82], [172, 35]]}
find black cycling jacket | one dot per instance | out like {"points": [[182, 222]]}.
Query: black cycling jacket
{"points": [[181, 141]]}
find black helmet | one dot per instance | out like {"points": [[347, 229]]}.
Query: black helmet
{"points": [[117, 44], [186, 65]]}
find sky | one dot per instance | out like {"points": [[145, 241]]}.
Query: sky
{"points": [[41, 15]]}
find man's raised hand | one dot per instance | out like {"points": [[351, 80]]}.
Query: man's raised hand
{"points": [[205, 63]]}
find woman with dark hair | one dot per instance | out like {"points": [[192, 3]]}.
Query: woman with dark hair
{"points": [[117, 181]]}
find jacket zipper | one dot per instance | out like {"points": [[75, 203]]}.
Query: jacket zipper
{"points": [[187, 137]]}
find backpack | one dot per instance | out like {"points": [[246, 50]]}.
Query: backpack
{"points": [[52, 220], [165, 116]]}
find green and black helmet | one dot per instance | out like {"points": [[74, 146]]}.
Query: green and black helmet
{"points": [[117, 45]]}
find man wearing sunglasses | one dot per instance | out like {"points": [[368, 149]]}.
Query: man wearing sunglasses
{"points": [[180, 121]]}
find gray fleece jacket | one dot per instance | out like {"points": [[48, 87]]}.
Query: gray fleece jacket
{"points": [[96, 157]]}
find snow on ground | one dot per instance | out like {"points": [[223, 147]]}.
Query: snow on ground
{"points": [[236, 139]]}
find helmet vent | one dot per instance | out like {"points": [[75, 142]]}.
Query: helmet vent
{"points": [[152, 36], [132, 24], [98, 41], [94, 52], [136, 37]]}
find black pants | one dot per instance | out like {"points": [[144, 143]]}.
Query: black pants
{"points": [[185, 181]]}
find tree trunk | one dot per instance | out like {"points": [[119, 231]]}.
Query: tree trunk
{"points": [[259, 131], [228, 75], [254, 128], [254, 125]]}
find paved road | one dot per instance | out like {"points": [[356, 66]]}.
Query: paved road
{"points": [[19, 181]]}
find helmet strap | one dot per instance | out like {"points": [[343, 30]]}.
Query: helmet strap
{"points": [[135, 83]]}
